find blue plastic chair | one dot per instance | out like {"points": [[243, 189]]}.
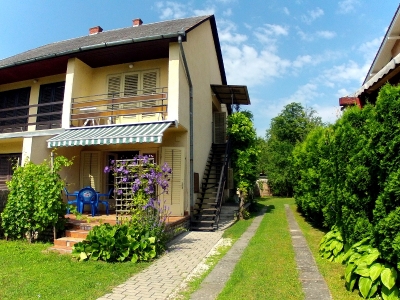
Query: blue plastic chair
{"points": [[71, 201], [87, 196], [105, 201]]}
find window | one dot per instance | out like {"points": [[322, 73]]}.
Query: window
{"points": [[14, 110], [50, 105], [7, 162], [132, 84]]}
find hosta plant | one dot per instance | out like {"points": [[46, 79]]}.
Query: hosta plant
{"points": [[366, 270], [331, 246], [116, 243]]}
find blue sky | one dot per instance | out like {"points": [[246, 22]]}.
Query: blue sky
{"points": [[312, 52]]}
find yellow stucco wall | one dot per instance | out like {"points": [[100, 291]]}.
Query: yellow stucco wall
{"points": [[11, 145], [204, 70]]}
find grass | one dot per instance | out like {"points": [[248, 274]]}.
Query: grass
{"points": [[267, 268], [29, 273], [233, 233], [333, 272]]}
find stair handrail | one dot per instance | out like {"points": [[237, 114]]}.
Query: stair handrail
{"points": [[222, 180]]}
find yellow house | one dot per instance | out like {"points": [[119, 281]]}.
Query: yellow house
{"points": [[151, 89]]}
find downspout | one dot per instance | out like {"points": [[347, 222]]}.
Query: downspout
{"points": [[190, 119]]}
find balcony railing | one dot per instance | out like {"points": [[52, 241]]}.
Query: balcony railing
{"points": [[120, 108], [17, 119]]}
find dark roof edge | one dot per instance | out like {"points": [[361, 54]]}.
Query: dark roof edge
{"points": [[92, 47], [382, 44]]}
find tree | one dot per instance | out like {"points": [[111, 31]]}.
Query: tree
{"points": [[245, 152], [289, 128]]}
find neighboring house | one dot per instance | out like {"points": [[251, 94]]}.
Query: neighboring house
{"points": [[114, 94], [385, 67]]}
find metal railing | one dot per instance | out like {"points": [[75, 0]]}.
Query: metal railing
{"points": [[120, 107], [17, 119], [222, 180]]}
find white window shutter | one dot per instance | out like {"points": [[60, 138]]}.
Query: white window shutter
{"points": [[150, 79], [131, 84], [114, 86], [175, 158]]}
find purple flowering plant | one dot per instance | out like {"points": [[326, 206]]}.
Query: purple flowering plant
{"points": [[139, 184]]}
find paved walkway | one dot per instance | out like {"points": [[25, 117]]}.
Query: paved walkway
{"points": [[314, 285], [167, 273], [213, 284], [188, 250]]}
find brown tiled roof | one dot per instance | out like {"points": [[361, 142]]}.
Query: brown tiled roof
{"points": [[145, 32]]}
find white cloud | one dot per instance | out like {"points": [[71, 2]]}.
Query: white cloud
{"points": [[344, 92], [286, 11], [347, 6], [305, 94], [302, 60], [227, 12], [328, 114], [305, 36], [227, 33], [267, 35], [326, 34], [171, 10], [312, 15], [369, 49], [205, 11], [350, 71], [246, 65]]}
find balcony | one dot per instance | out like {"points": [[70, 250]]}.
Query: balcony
{"points": [[43, 116], [120, 108]]}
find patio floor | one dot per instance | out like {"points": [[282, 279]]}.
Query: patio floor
{"points": [[112, 219]]}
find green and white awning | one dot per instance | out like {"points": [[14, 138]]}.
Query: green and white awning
{"points": [[107, 135]]}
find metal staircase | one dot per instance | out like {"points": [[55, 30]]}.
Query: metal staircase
{"points": [[206, 211]]}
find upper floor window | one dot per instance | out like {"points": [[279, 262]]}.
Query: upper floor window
{"points": [[133, 83], [14, 110], [50, 105]]}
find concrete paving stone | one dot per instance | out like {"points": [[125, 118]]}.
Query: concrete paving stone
{"points": [[115, 296], [313, 283]]}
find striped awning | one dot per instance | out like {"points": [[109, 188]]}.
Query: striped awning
{"points": [[114, 134]]}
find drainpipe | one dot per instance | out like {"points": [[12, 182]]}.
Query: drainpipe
{"points": [[190, 119]]}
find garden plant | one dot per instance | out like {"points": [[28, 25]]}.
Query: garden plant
{"points": [[143, 235], [34, 200], [348, 177]]}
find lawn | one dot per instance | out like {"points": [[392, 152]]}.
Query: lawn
{"points": [[267, 269], [233, 233], [29, 273]]}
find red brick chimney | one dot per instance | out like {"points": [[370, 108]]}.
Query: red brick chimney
{"points": [[137, 22], [95, 30]]}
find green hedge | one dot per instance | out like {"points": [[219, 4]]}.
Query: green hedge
{"points": [[349, 175]]}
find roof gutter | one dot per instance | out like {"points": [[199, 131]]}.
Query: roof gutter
{"points": [[93, 47], [191, 175]]}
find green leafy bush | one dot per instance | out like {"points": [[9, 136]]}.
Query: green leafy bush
{"points": [[116, 243], [34, 199], [365, 269], [331, 246]]}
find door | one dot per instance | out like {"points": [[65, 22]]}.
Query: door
{"points": [[175, 158], [90, 169], [219, 128]]}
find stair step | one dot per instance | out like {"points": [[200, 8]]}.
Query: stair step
{"points": [[79, 233], [67, 241], [204, 221]]}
